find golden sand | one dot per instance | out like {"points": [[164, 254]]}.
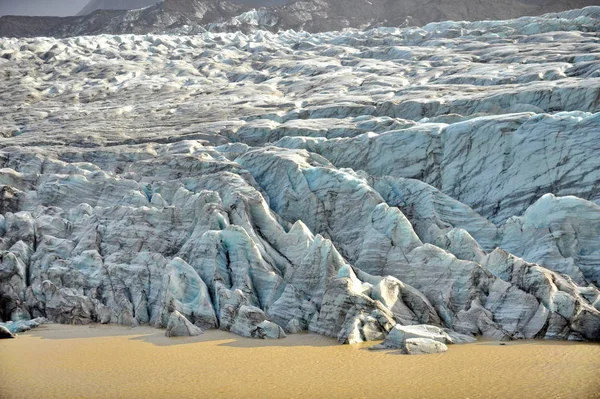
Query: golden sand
{"points": [[56, 361]]}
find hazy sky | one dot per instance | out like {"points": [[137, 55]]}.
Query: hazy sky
{"points": [[72, 7], [41, 7]]}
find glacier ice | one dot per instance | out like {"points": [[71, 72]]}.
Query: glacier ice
{"points": [[347, 183], [179, 326]]}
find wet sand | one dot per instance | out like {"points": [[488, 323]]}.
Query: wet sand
{"points": [[56, 361]]}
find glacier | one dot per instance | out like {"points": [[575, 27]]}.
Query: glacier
{"points": [[350, 183]]}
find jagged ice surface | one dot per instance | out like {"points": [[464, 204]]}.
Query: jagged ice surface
{"points": [[342, 182]]}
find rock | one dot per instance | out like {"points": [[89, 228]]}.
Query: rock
{"points": [[251, 322], [460, 338], [179, 326], [398, 336], [419, 339], [5, 333], [423, 346], [268, 329]]}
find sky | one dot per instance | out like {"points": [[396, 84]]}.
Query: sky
{"points": [[41, 7]]}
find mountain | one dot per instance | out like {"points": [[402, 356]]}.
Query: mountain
{"points": [[168, 14], [189, 16], [327, 15], [346, 183], [422, 12]]}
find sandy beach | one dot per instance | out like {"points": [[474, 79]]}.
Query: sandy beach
{"points": [[57, 361]]}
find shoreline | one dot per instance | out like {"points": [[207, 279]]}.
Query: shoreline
{"points": [[155, 334]]}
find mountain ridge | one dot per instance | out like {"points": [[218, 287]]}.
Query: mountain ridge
{"points": [[310, 15]]}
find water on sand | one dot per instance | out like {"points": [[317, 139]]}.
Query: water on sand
{"points": [[56, 361]]}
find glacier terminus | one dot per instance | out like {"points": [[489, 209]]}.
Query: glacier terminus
{"points": [[421, 186]]}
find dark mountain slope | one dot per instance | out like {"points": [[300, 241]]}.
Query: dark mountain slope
{"points": [[165, 15], [310, 15]]}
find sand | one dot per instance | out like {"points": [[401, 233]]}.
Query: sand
{"points": [[57, 361]]}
